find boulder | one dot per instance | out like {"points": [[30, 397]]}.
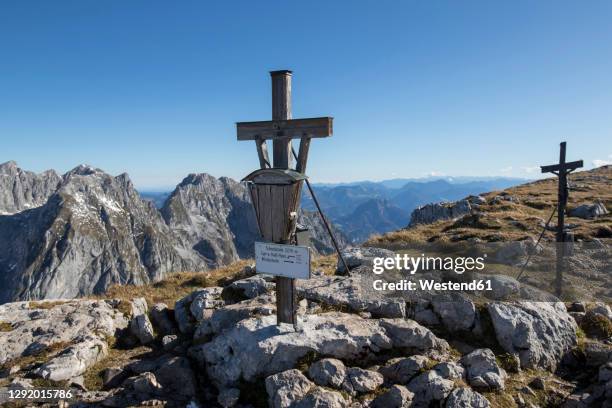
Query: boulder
{"points": [[161, 319], [450, 370], [429, 389], [74, 360], [504, 287], [588, 211], [466, 398], [140, 325], [286, 388], [401, 370], [47, 323], [539, 333], [223, 318], [456, 312], [142, 329], [144, 383], [360, 380], [170, 341], [319, 397], [328, 372], [397, 396], [207, 298], [258, 347], [605, 372], [228, 397], [602, 309], [514, 252], [482, 370], [174, 373], [354, 293], [251, 287], [182, 315], [361, 256]]}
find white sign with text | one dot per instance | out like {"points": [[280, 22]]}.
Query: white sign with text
{"points": [[290, 261]]}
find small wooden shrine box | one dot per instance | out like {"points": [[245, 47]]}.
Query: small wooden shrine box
{"points": [[276, 197]]}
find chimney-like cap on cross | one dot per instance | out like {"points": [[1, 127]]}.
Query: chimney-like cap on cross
{"points": [[281, 72]]}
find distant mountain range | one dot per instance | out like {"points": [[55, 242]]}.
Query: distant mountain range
{"points": [[360, 209], [365, 208]]}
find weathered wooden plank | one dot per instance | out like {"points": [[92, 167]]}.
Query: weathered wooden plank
{"points": [[285, 129], [262, 153], [302, 158]]}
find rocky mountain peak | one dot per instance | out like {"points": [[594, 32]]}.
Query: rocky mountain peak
{"points": [[21, 190]]}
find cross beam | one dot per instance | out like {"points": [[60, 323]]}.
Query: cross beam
{"points": [[567, 167], [562, 169], [285, 129]]}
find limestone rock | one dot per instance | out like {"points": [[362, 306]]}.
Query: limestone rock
{"points": [[320, 397], [466, 398], [450, 370], [161, 319], [74, 360], [286, 388], [169, 341], [429, 389], [251, 287], [361, 256], [53, 322], [456, 312], [539, 333], [397, 396], [223, 318], [140, 325], [589, 211], [328, 372], [360, 380], [257, 347], [351, 293], [401, 370], [605, 372], [228, 397], [482, 370], [207, 298]]}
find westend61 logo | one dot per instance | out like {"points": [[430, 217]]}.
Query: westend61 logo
{"points": [[412, 264]]}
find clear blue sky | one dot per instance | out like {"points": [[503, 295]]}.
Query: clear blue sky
{"points": [[154, 88]]}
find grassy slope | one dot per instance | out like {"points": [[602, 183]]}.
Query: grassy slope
{"points": [[517, 220]]}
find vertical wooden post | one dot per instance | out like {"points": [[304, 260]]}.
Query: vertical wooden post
{"points": [[561, 203], [281, 110]]}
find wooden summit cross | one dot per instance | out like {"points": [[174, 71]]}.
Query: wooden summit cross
{"points": [[561, 170], [276, 194]]}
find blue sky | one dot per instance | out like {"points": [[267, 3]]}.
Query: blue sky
{"points": [[153, 88]]}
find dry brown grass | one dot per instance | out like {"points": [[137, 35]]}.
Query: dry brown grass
{"points": [[92, 378], [46, 304], [178, 285], [325, 263], [509, 221], [174, 286], [6, 327]]}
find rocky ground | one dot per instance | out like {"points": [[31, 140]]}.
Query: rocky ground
{"points": [[218, 345]]}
